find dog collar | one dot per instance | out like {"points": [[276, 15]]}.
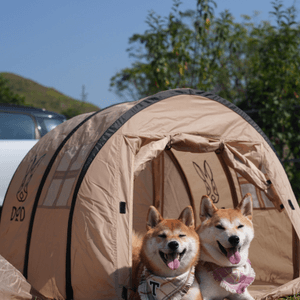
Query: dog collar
{"points": [[154, 287], [233, 280]]}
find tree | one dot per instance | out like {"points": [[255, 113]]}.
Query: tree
{"points": [[172, 53], [7, 96], [273, 86]]}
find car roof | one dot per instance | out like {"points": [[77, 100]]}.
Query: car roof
{"points": [[37, 112]]}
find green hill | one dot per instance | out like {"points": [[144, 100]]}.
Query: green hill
{"points": [[39, 96]]}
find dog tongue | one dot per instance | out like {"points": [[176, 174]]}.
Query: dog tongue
{"points": [[233, 255], [174, 264]]}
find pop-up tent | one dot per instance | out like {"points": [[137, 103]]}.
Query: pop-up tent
{"points": [[72, 204]]}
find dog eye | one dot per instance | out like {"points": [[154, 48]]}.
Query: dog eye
{"points": [[163, 236], [220, 227], [182, 235], [241, 226]]}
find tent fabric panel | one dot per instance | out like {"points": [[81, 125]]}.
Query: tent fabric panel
{"points": [[93, 252], [124, 187], [280, 181], [206, 177], [142, 198], [231, 178], [242, 114], [201, 116], [58, 189], [236, 184], [69, 162], [44, 178], [17, 209], [170, 191], [29, 173], [176, 197], [46, 257], [57, 136], [283, 187], [271, 249], [101, 232]]}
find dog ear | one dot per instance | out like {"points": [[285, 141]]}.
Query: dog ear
{"points": [[207, 208], [187, 217], [153, 217], [246, 206]]}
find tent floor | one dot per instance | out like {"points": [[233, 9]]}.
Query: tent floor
{"points": [[259, 288]]}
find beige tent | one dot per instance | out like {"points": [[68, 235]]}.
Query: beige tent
{"points": [[71, 206]]}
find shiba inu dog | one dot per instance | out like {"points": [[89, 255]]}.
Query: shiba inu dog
{"points": [[224, 270], [164, 260]]}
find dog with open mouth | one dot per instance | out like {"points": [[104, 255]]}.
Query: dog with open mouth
{"points": [[164, 260], [224, 270]]}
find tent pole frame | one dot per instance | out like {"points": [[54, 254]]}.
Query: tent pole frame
{"points": [[296, 254]]}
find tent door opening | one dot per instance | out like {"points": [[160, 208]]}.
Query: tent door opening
{"points": [[162, 184]]}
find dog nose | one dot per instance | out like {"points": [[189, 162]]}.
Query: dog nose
{"points": [[234, 240], [173, 245]]}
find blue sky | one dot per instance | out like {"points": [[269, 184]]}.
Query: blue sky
{"points": [[65, 44]]}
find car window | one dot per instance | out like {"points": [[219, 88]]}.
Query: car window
{"points": [[46, 125], [16, 127], [51, 123]]}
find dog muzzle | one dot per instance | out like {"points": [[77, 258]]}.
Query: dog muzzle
{"points": [[234, 280], [154, 287]]}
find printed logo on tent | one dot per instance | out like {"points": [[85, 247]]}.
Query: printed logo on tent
{"points": [[23, 189], [64, 178], [18, 213], [207, 176]]}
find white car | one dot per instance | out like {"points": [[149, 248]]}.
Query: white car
{"points": [[20, 129]]}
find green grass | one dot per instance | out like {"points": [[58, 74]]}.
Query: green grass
{"points": [[295, 297], [39, 96]]}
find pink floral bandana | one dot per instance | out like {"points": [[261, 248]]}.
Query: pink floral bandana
{"points": [[234, 280]]}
